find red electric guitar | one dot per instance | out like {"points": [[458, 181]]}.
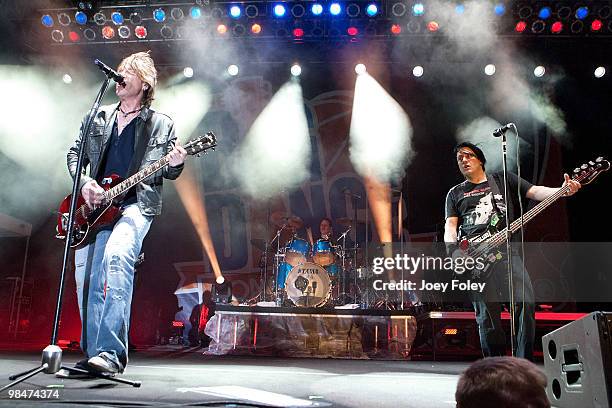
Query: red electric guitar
{"points": [[87, 219]]}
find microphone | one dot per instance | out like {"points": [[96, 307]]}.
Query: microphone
{"points": [[347, 191], [502, 130], [111, 73]]}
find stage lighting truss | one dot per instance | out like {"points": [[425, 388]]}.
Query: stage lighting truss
{"points": [[298, 20]]}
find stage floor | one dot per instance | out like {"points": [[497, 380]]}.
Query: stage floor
{"points": [[171, 375]]}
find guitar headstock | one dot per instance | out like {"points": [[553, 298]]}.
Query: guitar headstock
{"points": [[589, 171], [201, 143]]}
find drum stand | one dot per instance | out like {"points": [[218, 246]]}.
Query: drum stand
{"points": [[276, 266]]}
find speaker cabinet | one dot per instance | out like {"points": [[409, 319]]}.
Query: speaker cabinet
{"points": [[578, 362]]}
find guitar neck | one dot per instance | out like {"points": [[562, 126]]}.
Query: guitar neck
{"points": [[130, 182]]}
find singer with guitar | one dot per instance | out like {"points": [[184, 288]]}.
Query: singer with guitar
{"points": [[125, 137], [475, 206]]}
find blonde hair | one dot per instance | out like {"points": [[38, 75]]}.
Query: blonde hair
{"points": [[143, 66]]}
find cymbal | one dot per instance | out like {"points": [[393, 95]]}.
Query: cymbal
{"points": [[347, 222], [279, 219]]}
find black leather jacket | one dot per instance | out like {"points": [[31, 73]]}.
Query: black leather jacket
{"points": [[156, 127]]}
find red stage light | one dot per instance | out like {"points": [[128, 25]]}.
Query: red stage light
{"points": [[433, 26], [298, 32], [557, 27], [74, 36], [108, 32], [140, 32], [520, 26], [256, 29], [450, 332], [222, 29], [352, 31], [596, 25], [396, 29]]}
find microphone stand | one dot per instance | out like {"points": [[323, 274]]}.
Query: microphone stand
{"points": [[51, 361], [504, 146]]}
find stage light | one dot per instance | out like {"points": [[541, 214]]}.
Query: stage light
{"points": [[159, 15], [140, 32], [222, 29], [135, 18], [67, 79], [238, 30], [353, 10], [582, 13], [279, 10], [177, 14], [256, 28], [117, 18], [520, 26], [539, 71], [124, 31], [500, 9], [335, 9], [596, 25], [413, 26], [166, 32], [188, 72], [556, 27], [74, 36], [360, 69], [544, 13], [418, 71], [489, 69], [599, 72], [564, 12], [525, 12], [298, 11], [577, 26], [89, 34], [459, 9], [57, 36], [99, 18], [372, 10], [396, 29], [296, 70], [47, 20], [418, 9], [538, 26], [604, 12], [352, 31], [251, 11], [433, 26], [235, 12], [108, 32], [63, 19], [298, 32], [80, 18], [398, 9], [316, 9], [232, 70], [195, 12]]}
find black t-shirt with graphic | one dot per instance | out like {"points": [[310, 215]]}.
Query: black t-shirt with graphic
{"points": [[472, 204]]}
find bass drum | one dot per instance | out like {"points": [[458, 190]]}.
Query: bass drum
{"points": [[308, 285]]}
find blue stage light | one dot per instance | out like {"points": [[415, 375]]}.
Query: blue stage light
{"points": [[117, 18], [80, 18], [582, 13], [195, 12], [316, 9], [500, 9], [335, 9], [159, 15], [418, 9], [47, 20], [459, 9], [544, 13], [279, 10], [235, 11], [372, 10]]}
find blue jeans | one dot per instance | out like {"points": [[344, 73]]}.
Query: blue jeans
{"points": [[104, 274], [488, 307]]}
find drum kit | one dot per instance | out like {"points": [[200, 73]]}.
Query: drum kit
{"points": [[308, 274]]}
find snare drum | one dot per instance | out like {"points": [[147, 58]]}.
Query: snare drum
{"points": [[323, 253], [297, 251], [309, 285]]}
